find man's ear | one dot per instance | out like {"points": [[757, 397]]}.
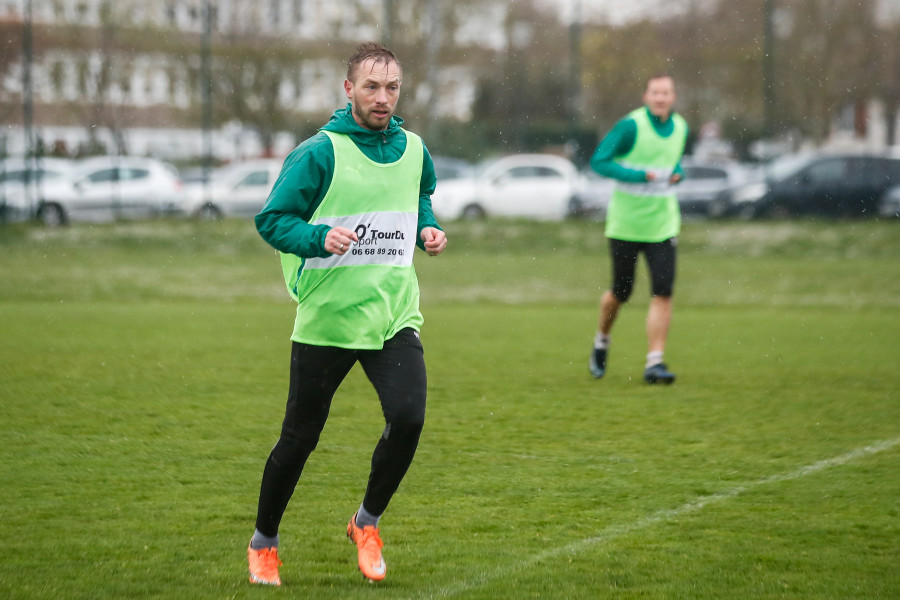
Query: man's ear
{"points": [[348, 88]]}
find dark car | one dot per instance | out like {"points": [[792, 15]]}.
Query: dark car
{"points": [[890, 204], [827, 185]]}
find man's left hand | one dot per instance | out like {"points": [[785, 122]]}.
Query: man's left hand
{"points": [[434, 239]]}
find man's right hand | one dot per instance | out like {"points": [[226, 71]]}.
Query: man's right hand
{"points": [[339, 239]]}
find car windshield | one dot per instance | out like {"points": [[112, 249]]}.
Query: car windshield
{"points": [[232, 174], [448, 168], [483, 167], [19, 175], [784, 167], [255, 178]]}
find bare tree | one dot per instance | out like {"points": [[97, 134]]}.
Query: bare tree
{"points": [[888, 88], [11, 55], [826, 59], [826, 55]]}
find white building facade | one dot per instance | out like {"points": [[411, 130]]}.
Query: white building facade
{"points": [[148, 99]]}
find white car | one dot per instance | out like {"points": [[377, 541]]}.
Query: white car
{"points": [[18, 199], [238, 190], [537, 186], [107, 188]]}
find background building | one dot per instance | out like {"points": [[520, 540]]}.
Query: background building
{"points": [[182, 79], [128, 76]]}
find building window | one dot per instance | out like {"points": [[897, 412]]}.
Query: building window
{"points": [[81, 12], [275, 13]]}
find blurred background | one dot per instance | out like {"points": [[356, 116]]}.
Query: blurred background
{"points": [[202, 84]]}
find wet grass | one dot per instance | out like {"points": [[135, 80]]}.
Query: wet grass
{"points": [[143, 374]]}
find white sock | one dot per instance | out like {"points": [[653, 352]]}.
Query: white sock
{"points": [[601, 341], [653, 358]]}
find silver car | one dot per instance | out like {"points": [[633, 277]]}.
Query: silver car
{"points": [[704, 181], [109, 188], [237, 190], [22, 183]]}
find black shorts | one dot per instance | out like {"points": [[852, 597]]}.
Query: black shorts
{"points": [[660, 258]]}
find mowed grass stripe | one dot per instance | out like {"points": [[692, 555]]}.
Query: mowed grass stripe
{"points": [[510, 569]]}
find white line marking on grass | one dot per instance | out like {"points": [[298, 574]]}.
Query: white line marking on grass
{"points": [[610, 533]]}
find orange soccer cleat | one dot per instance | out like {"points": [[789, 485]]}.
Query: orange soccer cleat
{"points": [[368, 546], [264, 565]]}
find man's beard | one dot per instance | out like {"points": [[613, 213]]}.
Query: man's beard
{"points": [[371, 121]]}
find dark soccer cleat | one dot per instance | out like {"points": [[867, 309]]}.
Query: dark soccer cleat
{"points": [[598, 362], [658, 373]]}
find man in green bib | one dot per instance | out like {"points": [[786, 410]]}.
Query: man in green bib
{"points": [[643, 154], [346, 214]]}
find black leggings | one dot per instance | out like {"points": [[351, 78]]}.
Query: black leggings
{"points": [[660, 260], [398, 374]]}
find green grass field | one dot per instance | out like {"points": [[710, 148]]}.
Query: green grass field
{"points": [[143, 372]]}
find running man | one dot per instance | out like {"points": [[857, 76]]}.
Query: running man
{"points": [[643, 154], [346, 214]]}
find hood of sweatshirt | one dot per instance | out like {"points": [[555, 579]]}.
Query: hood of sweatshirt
{"points": [[342, 121]]}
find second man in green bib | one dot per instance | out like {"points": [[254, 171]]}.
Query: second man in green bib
{"points": [[643, 155]]}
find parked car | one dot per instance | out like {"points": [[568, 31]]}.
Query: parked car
{"points": [[538, 186], [704, 181], [591, 200], [890, 203], [451, 168], [830, 185], [107, 188], [238, 190], [194, 175], [24, 197]]}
